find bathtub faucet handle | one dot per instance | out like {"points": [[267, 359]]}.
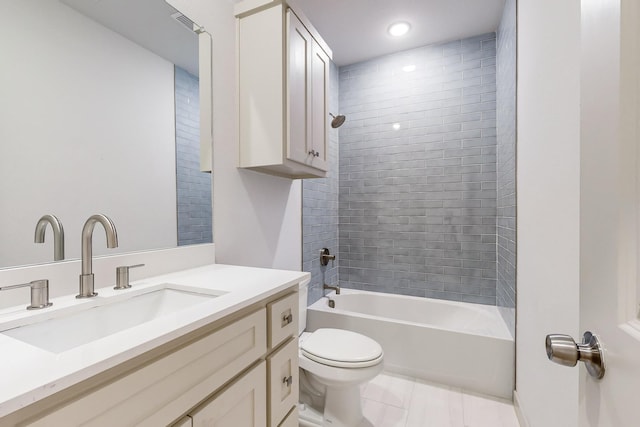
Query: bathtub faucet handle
{"points": [[325, 256]]}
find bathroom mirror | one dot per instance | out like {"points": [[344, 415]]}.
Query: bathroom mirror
{"points": [[99, 113]]}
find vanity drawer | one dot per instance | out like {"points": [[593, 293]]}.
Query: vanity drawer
{"points": [[282, 318], [161, 391], [283, 381]]}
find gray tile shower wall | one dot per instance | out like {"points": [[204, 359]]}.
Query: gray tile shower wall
{"points": [[417, 182], [320, 211], [506, 126], [193, 188]]}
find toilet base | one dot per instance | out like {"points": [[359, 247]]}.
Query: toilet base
{"points": [[342, 407], [308, 416]]}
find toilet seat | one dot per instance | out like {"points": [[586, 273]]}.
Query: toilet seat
{"points": [[342, 349]]}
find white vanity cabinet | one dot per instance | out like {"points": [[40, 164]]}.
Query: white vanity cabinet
{"points": [[283, 78], [241, 370], [247, 402]]}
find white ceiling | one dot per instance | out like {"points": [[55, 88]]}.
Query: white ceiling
{"points": [[356, 30], [147, 23]]}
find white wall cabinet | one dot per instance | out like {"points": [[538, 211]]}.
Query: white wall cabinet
{"points": [[223, 376], [283, 67]]}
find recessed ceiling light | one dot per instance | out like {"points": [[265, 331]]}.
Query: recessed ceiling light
{"points": [[396, 126], [409, 68], [399, 29]]}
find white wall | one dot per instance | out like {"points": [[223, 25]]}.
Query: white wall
{"points": [[257, 217], [86, 126], [548, 174]]}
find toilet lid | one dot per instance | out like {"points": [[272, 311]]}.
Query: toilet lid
{"points": [[340, 348]]}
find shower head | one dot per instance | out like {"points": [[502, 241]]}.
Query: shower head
{"points": [[337, 120]]}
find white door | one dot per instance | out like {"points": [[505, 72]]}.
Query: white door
{"points": [[609, 209]]}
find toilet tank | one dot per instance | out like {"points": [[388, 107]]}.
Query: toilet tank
{"points": [[303, 291]]}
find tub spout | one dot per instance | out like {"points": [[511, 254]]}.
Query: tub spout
{"points": [[333, 288]]}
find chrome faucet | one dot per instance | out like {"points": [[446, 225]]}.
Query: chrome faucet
{"points": [[86, 277], [58, 235], [333, 288]]}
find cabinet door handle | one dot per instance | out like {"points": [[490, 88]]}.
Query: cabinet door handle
{"points": [[314, 153], [288, 380], [287, 319]]}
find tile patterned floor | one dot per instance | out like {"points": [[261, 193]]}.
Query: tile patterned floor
{"points": [[396, 401]]}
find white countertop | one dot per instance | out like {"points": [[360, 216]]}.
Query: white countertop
{"points": [[29, 373]]}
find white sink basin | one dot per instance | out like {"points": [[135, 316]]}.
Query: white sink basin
{"points": [[113, 315]]}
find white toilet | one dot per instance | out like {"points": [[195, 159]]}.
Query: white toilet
{"points": [[333, 365]]}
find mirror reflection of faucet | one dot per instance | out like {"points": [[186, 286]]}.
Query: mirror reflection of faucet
{"points": [[58, 234], [86, 276]]}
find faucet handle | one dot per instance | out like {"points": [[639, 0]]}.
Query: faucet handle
{"points": [[122, 276], [325, 257], [39, 293]]}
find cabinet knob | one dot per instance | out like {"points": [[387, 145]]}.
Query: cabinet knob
{"points": [[288, 380], [314, 153], [287, 319]]}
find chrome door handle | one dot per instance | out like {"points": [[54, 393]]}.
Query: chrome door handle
{"points": [[563, 350]]}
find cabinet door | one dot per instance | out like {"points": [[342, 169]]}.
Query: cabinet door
{"points": [[299, 49], [319, 105], [283, 382], [243, 403]]}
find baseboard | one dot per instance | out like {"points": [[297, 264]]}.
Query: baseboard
{"points": [[522, 419]]}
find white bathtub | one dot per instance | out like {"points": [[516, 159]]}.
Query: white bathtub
{"points": [[458, 344]]}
